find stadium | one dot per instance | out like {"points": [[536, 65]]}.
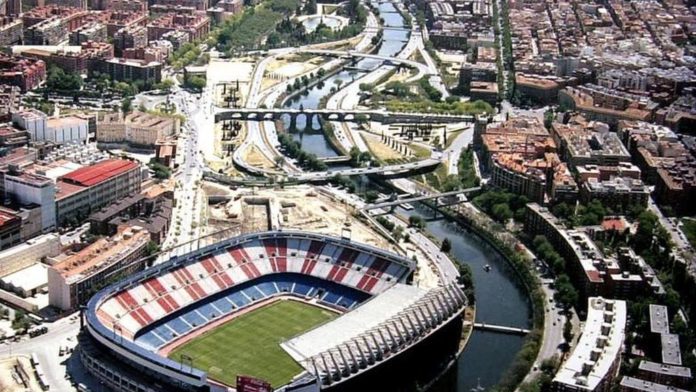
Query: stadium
{"points": [[302, 311]]}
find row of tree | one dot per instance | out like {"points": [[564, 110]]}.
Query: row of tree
{"points": [[294, 150]]}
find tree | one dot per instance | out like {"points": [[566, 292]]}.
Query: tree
{"points": [[446, 245], [451, 183], [58, 79], [161, 172], [416, 221], [310, 7], [371, 196], [367, 87], [398, 233], [562, 210], [502, 212], [568, 330], [549, 365], [21, 322], [397, 88], [432, 93], [566, 295], [127, 105], [151, 248], [195, 82], [165, 85], [548, 118]]}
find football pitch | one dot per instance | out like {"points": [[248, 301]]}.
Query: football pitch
{"points": [[250, 344]]}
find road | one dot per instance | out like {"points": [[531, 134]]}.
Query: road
{"points": [[500, 46], [447, 270], [348, 97], [422, 68], [454, 151], [678, 238], [46, 347], [264, 136], [554, 322], [434, 160], [186, 215]]}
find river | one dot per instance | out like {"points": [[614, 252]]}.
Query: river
{"points": [[500, 296], [312, 138]]}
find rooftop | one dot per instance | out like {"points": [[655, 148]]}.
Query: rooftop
{"points": [[102, 253], [29, 278], [341, 329], [661, 368], [99, 172], [671, 350], [7, 217], [65, 189], [599, 346], [647, 386], [659, 321]]}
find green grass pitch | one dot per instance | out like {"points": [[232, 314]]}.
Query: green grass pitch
{"points": [[250, 344]]}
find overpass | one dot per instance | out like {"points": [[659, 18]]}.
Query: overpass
{"points": [[387, 59], [413, 199], [386, 171], [336, 159], [357, 115]]}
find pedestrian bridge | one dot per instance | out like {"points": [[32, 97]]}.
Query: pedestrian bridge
{"points": [[500, 328]]}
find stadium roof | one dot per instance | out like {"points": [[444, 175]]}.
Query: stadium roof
{"points": [[351, 324], [99, 172]]}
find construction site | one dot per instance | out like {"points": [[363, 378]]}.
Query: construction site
{"points": [[234, 212]]}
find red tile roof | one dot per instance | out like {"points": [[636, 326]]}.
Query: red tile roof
{"points": [[99, 172], [613, 224], [7, 217]]}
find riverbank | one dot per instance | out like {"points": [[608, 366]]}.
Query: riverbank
{"points": [[504, 243]]}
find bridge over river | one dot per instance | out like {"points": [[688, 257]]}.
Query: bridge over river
{"points": [[357, 115]]}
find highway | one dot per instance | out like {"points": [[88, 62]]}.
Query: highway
{"points": [[186, 215], [422, 68], [264, 135], [413, 199], [387, 170], [348, 97]]}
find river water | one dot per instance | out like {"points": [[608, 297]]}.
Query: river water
{"points": [[500, 296], [312, 138]]}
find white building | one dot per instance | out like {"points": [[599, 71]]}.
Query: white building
{"points": [[28, 253], [32, 189], [54, 129], [595, 361]]}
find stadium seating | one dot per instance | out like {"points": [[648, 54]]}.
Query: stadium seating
{"points": [[183, 286], [241, 296]]}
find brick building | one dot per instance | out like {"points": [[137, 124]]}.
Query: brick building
{"points": [[22, 72], [134, 36], [196, 26]]}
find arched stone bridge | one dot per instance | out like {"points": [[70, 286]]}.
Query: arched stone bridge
{"points": [[357, 115]]}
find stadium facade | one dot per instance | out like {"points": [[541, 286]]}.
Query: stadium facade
{"points": [[386, 324]]}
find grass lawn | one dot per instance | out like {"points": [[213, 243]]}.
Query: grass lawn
{"points": [[250, 344], [689, 230]]}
